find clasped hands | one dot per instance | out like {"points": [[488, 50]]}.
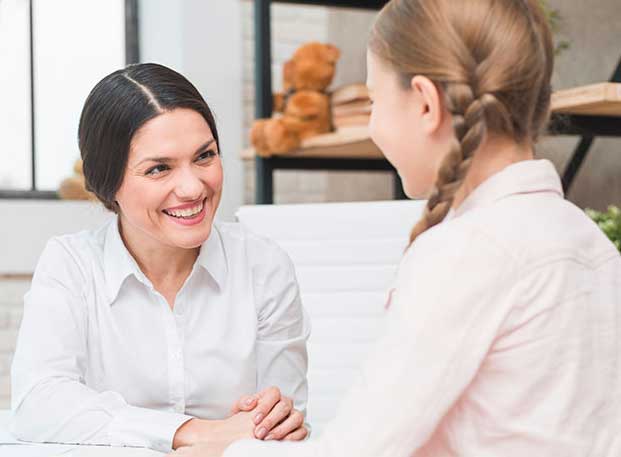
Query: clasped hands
{"points": [[267, 415]]}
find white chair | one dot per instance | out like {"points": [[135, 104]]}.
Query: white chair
{"points": [[346, 256]]}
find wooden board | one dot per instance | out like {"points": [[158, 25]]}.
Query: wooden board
{"points": [[345, 143], [596, 100]]}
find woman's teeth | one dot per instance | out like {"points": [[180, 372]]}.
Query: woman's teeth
{"points": [[187, 213]]}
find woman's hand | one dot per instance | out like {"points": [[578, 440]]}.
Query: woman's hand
{"points": [[217, 433], [273, 415]]}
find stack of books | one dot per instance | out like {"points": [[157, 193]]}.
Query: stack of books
{"points": [[351, 106]]}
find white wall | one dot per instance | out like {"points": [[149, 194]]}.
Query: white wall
{"points": [[161, 32], [28, 224], [203, 41]]}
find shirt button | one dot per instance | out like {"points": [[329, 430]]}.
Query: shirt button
{"points": [[179, 408]]}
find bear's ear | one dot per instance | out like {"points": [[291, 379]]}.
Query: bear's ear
{"points": [[331, 53], [278, 102], [288, 75], [78, 167]]}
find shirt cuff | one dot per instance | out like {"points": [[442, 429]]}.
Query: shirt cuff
{"points": [[309, 429], [142, 427]]}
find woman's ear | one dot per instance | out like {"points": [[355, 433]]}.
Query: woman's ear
{"points": [[431, 103]]}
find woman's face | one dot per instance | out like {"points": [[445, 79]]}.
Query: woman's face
{"points": [[173, 181], [408, 125]]}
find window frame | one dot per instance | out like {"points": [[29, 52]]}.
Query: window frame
{"points": [[132, 55]]}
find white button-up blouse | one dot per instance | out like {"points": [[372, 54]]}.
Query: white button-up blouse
{"points": [[102, 359], [504, 338]]}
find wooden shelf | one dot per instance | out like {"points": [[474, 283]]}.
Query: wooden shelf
{"points": [[354, 143], [362, 4], [594, 100], [345, 143]]}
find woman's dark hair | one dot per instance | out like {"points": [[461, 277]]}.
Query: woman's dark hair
{"points": [[116, 108]]}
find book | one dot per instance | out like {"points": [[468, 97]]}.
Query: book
{"points": [[352, 108], [349, 93], [356, 119]]}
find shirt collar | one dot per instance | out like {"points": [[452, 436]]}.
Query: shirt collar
{"points": [[213, 258], [525, 177], [119, 263]]}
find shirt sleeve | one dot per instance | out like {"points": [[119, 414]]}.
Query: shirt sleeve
{"points": [[50, 400], [283, 329], [451, 299]]}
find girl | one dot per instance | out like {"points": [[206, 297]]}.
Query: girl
{"points": [[505, 331]]}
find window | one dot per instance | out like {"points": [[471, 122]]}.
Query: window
{"points": [[54, 52], [15, 127]]}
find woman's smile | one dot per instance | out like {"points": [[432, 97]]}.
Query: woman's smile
{"points": [[188, 214]]}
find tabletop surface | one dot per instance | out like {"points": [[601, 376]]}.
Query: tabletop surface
{"points": [[10, 447]]}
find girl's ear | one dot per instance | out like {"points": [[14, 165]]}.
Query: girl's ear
{"points": [[431, 103]]}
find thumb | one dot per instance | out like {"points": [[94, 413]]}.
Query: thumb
{"points": [[245, 403]]}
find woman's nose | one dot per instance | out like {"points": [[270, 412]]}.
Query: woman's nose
{"points": [[188, 185]]}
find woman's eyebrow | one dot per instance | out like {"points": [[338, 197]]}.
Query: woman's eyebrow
{"points": [[169, 159], [205, 146]]}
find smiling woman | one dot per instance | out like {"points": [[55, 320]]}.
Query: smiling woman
{"points": [[180, 186], [162, 328]]}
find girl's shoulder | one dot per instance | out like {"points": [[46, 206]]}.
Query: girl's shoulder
{"points": [[520, 232], [460, 242]]}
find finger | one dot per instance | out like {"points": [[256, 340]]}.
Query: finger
{"points": [[268, 398], [279, 413], [297, 435], [289, 425], [245, 403]]}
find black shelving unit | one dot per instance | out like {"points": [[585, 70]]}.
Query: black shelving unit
{"points": [[587, 127], [265, 167]]}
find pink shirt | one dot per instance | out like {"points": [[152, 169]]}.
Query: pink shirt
{"points": [[504, 338]]}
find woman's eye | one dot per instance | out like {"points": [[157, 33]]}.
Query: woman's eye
{"points": [[156, 170], [206, 155]]}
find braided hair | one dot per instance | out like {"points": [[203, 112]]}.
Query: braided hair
{"points": [[491, 60]]}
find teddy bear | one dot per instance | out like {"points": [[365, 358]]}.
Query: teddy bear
{"points": [[303, 109], [73, 187]]}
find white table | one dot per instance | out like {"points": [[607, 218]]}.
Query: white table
{"points": [[10, 447]]}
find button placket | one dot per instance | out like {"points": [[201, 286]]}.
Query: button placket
{"points": [[176, 376]]}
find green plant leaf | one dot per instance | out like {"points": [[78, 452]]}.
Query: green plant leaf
{"points": [[554, 19], [609, 222]]}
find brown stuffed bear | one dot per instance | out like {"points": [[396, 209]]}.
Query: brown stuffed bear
{"points": [[304, 109], [73, 187]]}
